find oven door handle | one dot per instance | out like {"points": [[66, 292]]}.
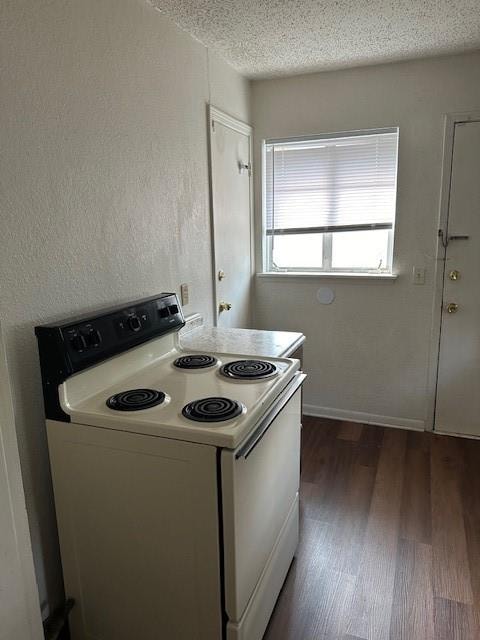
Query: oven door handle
{"points": [[285, 397]]}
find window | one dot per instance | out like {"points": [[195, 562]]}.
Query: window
{"points": [[329, 202]]}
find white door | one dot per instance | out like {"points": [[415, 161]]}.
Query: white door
{"points": [[458, 386], [19, 605], [231, 182]]}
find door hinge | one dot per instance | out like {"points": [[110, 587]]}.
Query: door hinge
{"points": [[445, 239]]}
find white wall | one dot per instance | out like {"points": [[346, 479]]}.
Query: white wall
{"points": [[104, 187], [367, 353]]}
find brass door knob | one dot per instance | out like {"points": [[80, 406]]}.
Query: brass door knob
{"points": [[224, 306], [452, 307], [454, 275]]}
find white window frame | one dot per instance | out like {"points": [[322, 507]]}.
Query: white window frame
{"points": [[269, 268]]}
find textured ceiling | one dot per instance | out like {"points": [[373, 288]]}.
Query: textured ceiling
{"points": [[263, 38]]}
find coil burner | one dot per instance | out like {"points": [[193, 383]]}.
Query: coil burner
{"points": [[135, 399], [248, 370], [212, 410], [195, 361]]}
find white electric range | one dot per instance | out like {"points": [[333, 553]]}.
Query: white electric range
{"points": [[175, 475]]}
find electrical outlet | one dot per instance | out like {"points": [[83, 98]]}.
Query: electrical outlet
{"points": [[418, 275], [184, 294]]}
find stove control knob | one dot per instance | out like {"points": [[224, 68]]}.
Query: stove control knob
{"points": [[134, 323], [78, 343], [93, 338]]}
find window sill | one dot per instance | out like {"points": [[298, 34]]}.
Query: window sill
{"points": [[327, 275]]}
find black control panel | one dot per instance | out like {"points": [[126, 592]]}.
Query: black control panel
{"points": [[73, 345]]}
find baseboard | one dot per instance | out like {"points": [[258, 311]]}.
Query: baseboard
{"points": [[468, 436], [366, 418]]}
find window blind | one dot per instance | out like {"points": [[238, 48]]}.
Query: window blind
{"points": [[336, 183]]}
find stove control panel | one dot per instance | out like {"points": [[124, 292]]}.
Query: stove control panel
{"points": [[71, 346], [114, 332], [88, 340]]}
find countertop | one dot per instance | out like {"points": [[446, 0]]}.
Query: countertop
{"points": [[251, 342]]}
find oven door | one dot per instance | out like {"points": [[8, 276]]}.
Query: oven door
{"points": [[260, 482]]}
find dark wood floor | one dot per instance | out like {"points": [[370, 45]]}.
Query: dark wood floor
{"points": [[390, 537]]}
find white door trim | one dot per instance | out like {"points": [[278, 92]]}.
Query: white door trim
{"points": [[18, 514], [216, 115], [451, 119]]}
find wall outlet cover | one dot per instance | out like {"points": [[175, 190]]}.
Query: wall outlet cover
{"points": [[184, 294]]}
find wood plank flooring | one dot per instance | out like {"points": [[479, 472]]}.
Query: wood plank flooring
{"points": [[389, 537]]}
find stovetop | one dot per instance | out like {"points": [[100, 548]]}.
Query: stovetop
{"points": [[151, 368], [122, 368]]}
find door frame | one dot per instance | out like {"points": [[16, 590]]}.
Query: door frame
{"points": [[18, 514], [217, 115], [450, 120]]}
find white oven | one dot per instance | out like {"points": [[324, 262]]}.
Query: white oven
{"points": [[260, 483], [175, 476]]}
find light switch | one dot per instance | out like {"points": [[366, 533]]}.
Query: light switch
{"points": [[418, 275]]}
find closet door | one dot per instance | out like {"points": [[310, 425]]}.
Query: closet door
{"points": [[231, 187]]}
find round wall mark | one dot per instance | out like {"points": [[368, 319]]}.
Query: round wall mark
{"points": [[325, 295]]}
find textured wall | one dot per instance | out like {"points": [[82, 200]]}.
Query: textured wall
{"points": [[104, 186], [368, 351]]}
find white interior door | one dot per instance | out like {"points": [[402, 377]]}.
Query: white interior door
{"points": [[19, 605], [458, 386], [230, 161]]}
